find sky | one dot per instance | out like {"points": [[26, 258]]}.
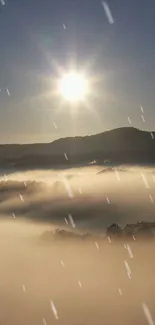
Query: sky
{"points": [[119, 57]]}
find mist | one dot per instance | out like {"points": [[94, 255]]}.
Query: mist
{"points": [[95, 197], [72, 282]]}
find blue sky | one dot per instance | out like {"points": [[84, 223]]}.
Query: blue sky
{"points": [[122, 54]]}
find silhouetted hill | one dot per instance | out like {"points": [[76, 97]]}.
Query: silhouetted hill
{"points": [[122, 145], [139, 230]]}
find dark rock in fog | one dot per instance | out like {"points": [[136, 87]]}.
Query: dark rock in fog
{"points": [[58, 234], [114, 230]]}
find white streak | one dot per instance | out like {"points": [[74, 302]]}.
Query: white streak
{"points": [[108, 12], [65, 156], [142, 109], [54, 124], [7, 88], [108, 200], [64, 26], [145, 181], [80, 284], [68, 188], [80, 190], [71, 220], [54, 310], [117, 175], [151, 198], [147, 314], [129, 251], [44, 321], [128, 269], [97, 246], [120, 291], [23, 287], [134, 238], [109, 240], [21, 197], [129, 120], [142, 117], [62, 263], [152, 135], [66, 221], [13, 215]]}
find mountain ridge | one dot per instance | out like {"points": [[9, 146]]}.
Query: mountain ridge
{"points": [[120, 145]]}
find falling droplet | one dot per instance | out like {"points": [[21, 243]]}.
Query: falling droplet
{"points": [[62, 263], [23, 287], [128, 269], [2, 2], [97, 246], [120, 291], [66, 156], [71, 220], [21, 197], [80, 190], [109, 240], [54, 124], [66, 221], [80, 285], [68, 188], [145, 181], [152, 135], [108, 12], [143, 119], [117, 175], [8, 91], [129, 251], [54, 310], [151, 198], [142, 109], [13, 215], [147, 314], [44, 321]]}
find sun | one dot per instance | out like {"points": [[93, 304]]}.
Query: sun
{"points": [[73, 87]]}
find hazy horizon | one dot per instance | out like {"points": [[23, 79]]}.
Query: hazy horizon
{"points": [[74, 136]]}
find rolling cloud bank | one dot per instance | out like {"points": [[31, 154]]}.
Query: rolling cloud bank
{"points": [[59, 257]]}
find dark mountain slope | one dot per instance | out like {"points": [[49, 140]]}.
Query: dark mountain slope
{"points": [[122, 145]]}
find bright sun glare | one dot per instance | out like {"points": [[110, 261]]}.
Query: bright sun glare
{"points": [[73, 87]]}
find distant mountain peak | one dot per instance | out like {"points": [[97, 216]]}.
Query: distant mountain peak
{"points": [[120, 145]]}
